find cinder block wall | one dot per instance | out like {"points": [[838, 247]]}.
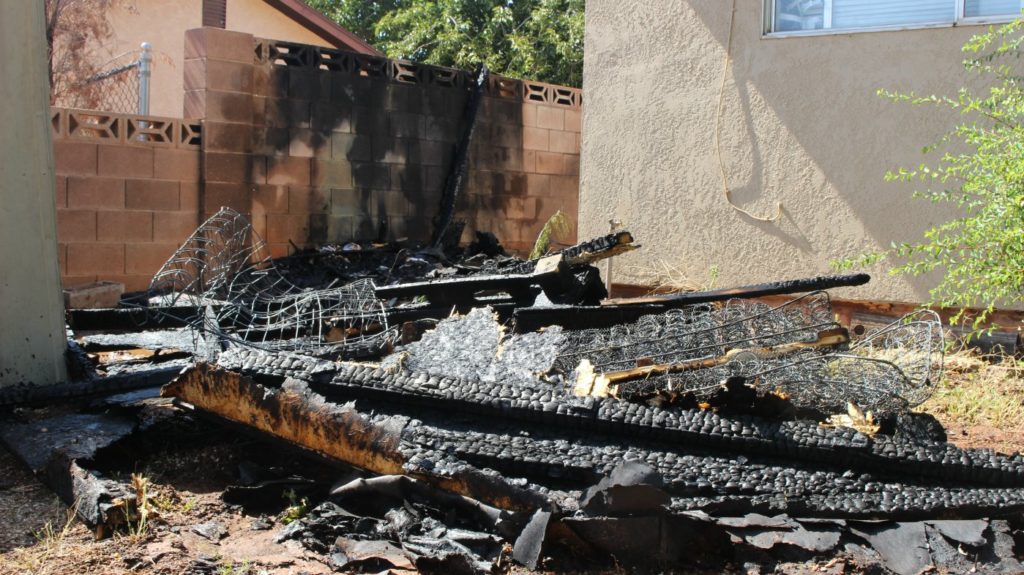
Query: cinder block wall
{"points": [[314, 145], [127, 194]]}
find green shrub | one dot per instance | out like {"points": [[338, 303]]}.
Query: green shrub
{"points": [[981, 251]]}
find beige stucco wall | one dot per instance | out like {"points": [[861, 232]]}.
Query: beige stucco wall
{"points": [[163, 23], [262, 20], [801, 124]]}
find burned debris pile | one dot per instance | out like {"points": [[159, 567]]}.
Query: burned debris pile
{"points": [[507, 410]]}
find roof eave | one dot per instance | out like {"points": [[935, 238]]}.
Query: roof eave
{"points": [[323, 26]]}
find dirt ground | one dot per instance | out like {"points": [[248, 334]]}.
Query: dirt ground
{"points": [[38, 538], [979, 404]]}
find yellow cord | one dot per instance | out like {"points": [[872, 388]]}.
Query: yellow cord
{"points": [[718, 131]]}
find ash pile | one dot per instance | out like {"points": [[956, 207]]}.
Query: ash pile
{"points": [[505, 412]]}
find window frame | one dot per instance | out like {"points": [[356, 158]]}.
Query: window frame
{"points": [[768, 23]]}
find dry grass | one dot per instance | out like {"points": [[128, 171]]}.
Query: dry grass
{"points": [[981, 401], [160, 544], [54, 543], [665, 277]]}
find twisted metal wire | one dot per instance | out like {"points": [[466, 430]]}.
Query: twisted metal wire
{"points": [[890, 369], [698, 332], [116, 90], [224, 271], [886, 371]]}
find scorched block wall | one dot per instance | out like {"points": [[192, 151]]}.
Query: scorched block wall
{"points": [[321, 145]]}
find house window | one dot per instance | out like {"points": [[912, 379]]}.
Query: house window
{"points": [[795, 16]]}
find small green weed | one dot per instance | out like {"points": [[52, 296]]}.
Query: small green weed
{"points": [[557, 227], [230, 568], [297, 507]]}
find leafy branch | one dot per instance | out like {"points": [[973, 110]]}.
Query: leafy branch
{"points": [[981, 251]]}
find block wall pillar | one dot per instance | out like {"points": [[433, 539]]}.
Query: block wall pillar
{"points": [[219, 89]]}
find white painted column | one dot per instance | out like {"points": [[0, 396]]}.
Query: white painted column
{"points": [[32, 340]]}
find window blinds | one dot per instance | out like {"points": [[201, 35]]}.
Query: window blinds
{"points": [[873, 13], [973, 8], [793, 15]]}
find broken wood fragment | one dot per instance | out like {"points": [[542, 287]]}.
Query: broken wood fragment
{"points": [[586, 252], [618, 243], [628, 310]]}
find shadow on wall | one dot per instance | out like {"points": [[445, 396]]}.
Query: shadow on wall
{"points": [[380, 151], [352, 135], [801, 123]]}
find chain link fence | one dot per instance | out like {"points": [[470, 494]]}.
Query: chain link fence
{"points": [[123, 89], [115, 90]]}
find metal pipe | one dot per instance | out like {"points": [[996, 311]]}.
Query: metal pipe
{"points": [[145, 71], [749, 291]]}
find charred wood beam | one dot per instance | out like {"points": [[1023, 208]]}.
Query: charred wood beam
{"points": [[294, 414], [298, 415], [44, 394], [131, 318], [698, 475], [551, 275], [804, 441], [464, 291], [749, 291], [529, 319], [141, 319], [710, 481]]}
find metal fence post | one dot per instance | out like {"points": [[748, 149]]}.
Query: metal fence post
{"points": [[145, 70]]}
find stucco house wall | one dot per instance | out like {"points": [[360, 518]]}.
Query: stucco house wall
{"points": [[163, 23], [258, 18], [801, 124]]}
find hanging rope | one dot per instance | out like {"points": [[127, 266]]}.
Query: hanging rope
{"points": [[718, 131]]}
